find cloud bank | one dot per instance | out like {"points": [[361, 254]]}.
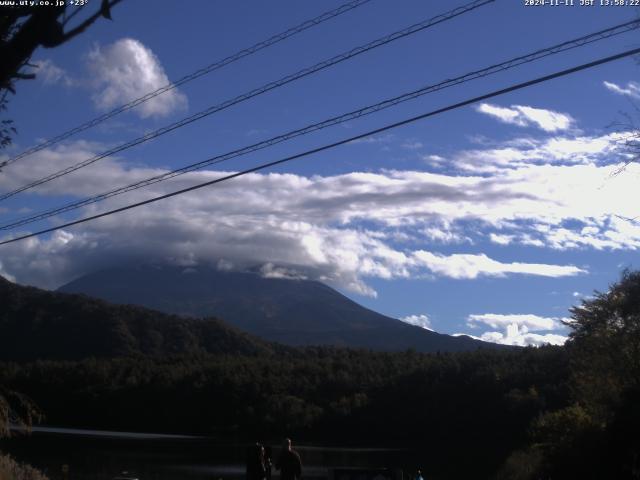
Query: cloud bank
{"points": [[340, 229]]}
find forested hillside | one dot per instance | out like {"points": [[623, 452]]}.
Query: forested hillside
{"points": [[479, 403], [36, 324]]}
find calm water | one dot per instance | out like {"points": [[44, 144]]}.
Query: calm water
{"points": [[103, 455]]}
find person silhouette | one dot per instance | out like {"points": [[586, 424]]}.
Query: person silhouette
{"points": [[256, 469], [268, 463], [289, 462]]}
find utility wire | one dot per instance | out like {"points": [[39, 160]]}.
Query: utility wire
{"points": [[258, 91], [263, 166], [512, 63], [192, 76]]}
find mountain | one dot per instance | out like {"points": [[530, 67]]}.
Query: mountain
{"points": [[37, 324], [292, 312]]}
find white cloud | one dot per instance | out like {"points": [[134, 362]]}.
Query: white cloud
{"points": [[529, 321], [444, 234], [6, 275], [420, 320], [556, 150], [547, 120], [269, 270], [224, 265], [51, 74], [386, 138], [516, 336], [434, 160], [632, 89], [517, 328], [127, 70], [412, 145], [506, 115], [469, 266], [103, 175], [501, 239], [525, 116]]}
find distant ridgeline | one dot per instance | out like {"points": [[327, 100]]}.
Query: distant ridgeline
{"points": [[292, 312]]}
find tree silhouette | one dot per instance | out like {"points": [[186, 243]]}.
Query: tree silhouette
{"points": [[605, 342], [17, 410], [22, 30]]}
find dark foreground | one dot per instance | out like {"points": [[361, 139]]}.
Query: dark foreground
{"points": [[103, 455]]}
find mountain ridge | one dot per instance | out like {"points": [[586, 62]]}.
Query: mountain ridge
{"points": [[290, 311]]}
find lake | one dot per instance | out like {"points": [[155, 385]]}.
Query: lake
{"points": [[99, 455]]}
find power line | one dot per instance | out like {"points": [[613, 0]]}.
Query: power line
{"points": [[258, 91], [512, 63], [263, 166], [192, 76]]}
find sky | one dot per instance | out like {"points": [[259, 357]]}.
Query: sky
{"points": [[491, 220]]}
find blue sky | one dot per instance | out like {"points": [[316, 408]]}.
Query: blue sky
{"points": [[491, 220]]}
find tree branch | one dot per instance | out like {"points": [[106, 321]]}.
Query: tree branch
{"points": [[87, 23]]}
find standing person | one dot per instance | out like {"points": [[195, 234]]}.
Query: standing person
{"points": [[268, 463], [289, 462], [419, 475], [255, 463]]}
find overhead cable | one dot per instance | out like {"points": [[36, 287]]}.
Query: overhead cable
{"points": [[192, 76], [258, 91], [493, 69]]}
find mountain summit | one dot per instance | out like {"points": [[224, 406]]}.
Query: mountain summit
{"points": [[293, 312]]}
